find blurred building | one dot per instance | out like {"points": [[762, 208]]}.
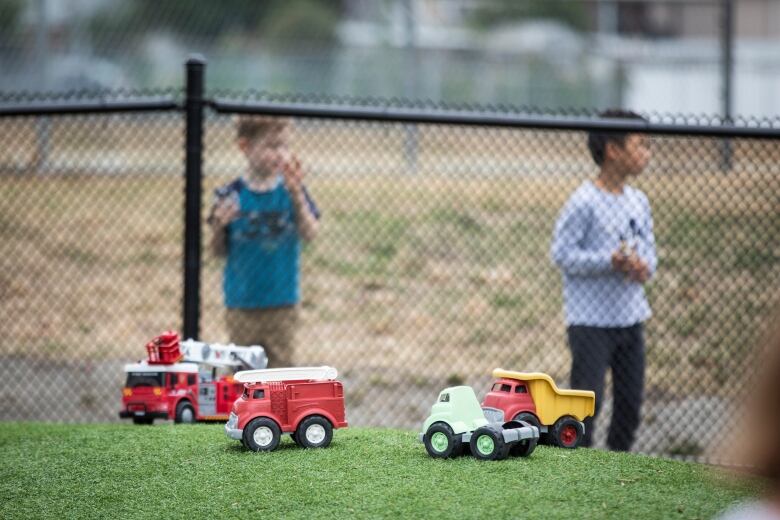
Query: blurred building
{"points": [[687, 18], [672, 55], [662, 56]]}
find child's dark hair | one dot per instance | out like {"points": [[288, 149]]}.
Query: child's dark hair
{"points": [[597, 141]]}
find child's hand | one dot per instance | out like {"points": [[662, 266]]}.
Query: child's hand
{"points": [[638, 269], [225, 212], [620, 261], [293, 174]]}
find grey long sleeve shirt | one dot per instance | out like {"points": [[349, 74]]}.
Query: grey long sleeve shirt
{"points": [[591, 226]]}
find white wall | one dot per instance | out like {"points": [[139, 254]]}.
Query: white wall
{"points": [[659, 82]]}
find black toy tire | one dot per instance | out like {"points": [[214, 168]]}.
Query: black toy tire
{"points": [[523, 448], [185, 413], [567, 432], [269, 428], [497, 449], [319, 429], [454, 446]]}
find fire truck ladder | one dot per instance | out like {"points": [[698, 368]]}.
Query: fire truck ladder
{"points": [[286, 374], [219, 355]]}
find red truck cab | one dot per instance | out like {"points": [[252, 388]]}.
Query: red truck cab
{"points": [[160, 392], [308, 408], [512, 397], [178, 392]]}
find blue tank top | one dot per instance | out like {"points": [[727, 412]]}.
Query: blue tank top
{"points": [[264, 247]]}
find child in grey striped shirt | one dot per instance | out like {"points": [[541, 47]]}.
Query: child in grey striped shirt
{"points": [[605, 248]]}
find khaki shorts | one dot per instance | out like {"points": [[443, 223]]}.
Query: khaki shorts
{"points": [[273, 329]]}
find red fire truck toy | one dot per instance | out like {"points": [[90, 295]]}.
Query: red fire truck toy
{"points": [[533, 398], [306, 402], [187, 382]]}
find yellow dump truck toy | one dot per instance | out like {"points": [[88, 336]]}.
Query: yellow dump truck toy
{"points": [[533, 398]]}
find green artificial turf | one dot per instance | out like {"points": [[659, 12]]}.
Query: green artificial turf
{"points": [[121, 470]]}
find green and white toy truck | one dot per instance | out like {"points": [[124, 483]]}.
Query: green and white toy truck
{"points": [[457, 424]]}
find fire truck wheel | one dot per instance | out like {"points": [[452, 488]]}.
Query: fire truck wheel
{"points": [[567, 432], [314, 432], [294, 437], [487, 443], [441, 443], [262, 434], [185, 413], [522, 448]]}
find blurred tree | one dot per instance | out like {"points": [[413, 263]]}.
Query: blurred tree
{"points": [[496, 12], [302, 22], [10, 15], [272, 20]]}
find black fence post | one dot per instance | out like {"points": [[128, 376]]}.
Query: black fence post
{"points": [[193, 105], [727, 87]]}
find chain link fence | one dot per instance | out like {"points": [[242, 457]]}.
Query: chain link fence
{"points": [[431, 267]]}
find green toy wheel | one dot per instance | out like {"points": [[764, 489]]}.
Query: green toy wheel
{"points": [[487, 443], [440, 442]]}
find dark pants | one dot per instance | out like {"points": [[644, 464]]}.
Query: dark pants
{"points": [[594, 349]]}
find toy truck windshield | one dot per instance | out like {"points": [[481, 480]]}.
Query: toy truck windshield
{"points": [[136, 379], [503, 387]]}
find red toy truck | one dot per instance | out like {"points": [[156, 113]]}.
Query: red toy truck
{"points": [[164, 387], [534, 398], [306, 402]]}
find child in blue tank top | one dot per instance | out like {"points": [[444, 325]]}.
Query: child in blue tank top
{"points": [[258, 222]]}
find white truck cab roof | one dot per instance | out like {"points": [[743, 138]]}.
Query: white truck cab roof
{"points": [[143, 366]]}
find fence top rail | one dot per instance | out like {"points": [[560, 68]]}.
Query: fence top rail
{"points": [[390, 114], [91, 106], [476, 118]]}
